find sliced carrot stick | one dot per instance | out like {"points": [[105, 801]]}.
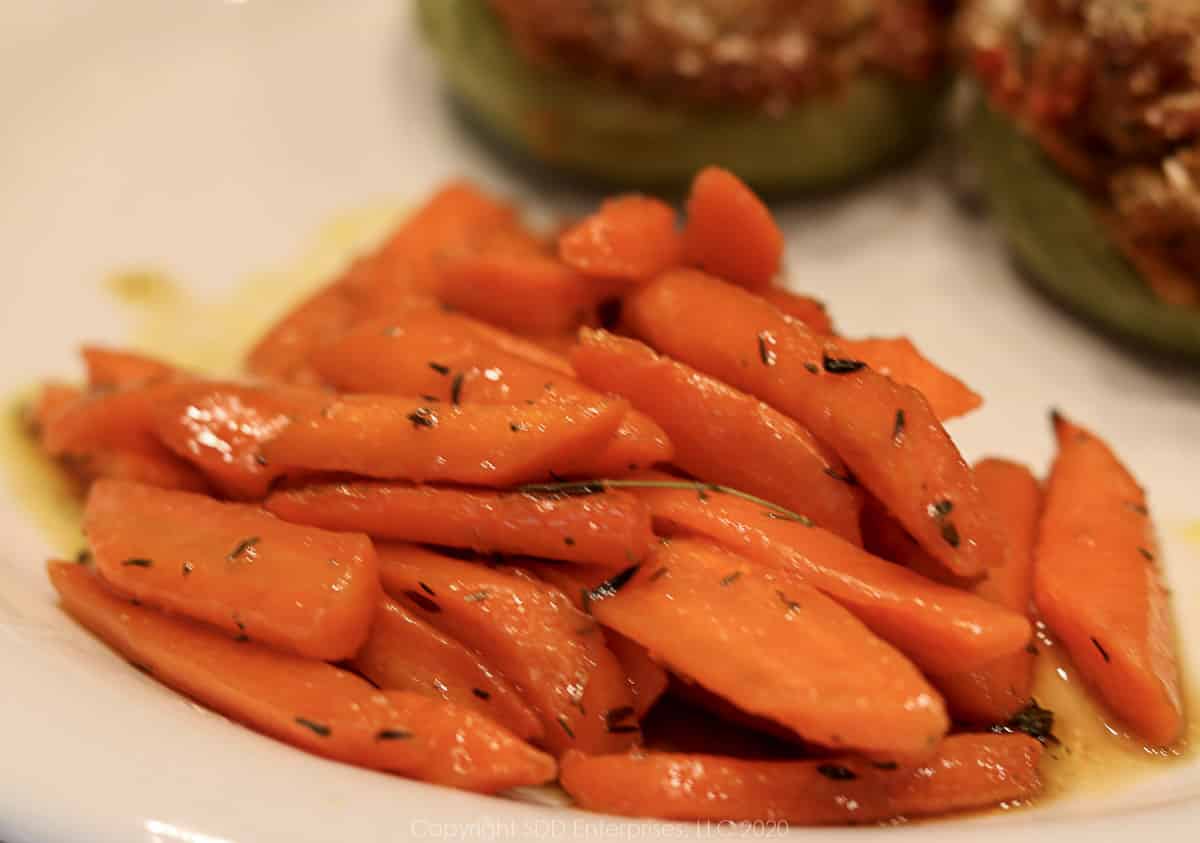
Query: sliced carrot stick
{"points": [[632, 238], [603, 530], [513, 344], [900, 360], [730, 232], [237, 567], [806, 309], [119, 420], [484, 445], [760, 450], [403, 653], [151, 467], [885, 432], [283, 352], [221, 428], [529, 632], [52, 399], [112, 368], [968, 771], [941, 629], [1098, 585], [994, 694], [883, 536], [776, 647], [308, 704]]}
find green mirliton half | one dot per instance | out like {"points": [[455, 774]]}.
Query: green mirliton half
{"points": [[619, 136], [1057, 235]]}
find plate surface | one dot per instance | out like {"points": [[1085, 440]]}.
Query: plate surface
{"points": [[215, 140]]}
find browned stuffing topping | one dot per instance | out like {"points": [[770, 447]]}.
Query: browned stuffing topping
{"points": [[765, 52]]}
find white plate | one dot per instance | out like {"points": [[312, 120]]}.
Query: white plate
{"points": [[213, 139]]}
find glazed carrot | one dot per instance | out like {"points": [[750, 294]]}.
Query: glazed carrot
{"points": [[237, 567], [221, 428], [730, 232], [883, 536], [308, 704], [900, 360], [119, 420], [994, 694], [115, 369], [632, 238], [776, 647], [968, 771], [388, 437], [1098, 585], [529, 632], [885, 432], [283, 352], [150, 467], [760, 450], [805, 309], [510, 343], [403, 653], [52, 399], [602, 530], [941, 629]]}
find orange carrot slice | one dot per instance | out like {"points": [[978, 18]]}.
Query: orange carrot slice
{"points": [[604, 530], [805, 309], [1098, 585], [631, 238], [308, 704], [885, 432], [237, 567], [729, 232], [968, 771], [773, 646], [151, 467], [283, 352], [900, 360], [403, 653], [761, 451], [530, 633], [110, 368]]}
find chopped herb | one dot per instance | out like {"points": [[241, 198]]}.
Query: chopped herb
{"points": [[1031, 648], [898, 426], [138, 563], [482, 694], [477, 596], [1138, 508], [799, 519], [423, 417], [517, 427], [730, 579], [885, 765], [566, 726], [433, 398], [319, 728], [393, 735], [940, 509], [792, 605], [456, 386], [142, 667], [440, 368], [564, 490], [1147, 555], [260, 459], [841, 365], [659, 573], [568, 541], [950, 534], [422, 601], [83, 557], [1100, 648], [812, 368], [765, 352], [425, 588], [702, 494], [188, 567], [837, 772], [1032, 720], [610, 586], [243, 546], [847, 478]]}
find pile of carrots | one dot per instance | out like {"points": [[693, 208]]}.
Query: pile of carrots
{"points": [[494, 499]]}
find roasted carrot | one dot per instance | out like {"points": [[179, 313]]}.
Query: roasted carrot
{"points": [[309, 704], [940, 628], [967, 771], [526, 630], [105, 420], [885, 432], [805, 309], [283, 352], [1098, 585], [237, 567], [110, 368], [150, 467], [783, 649], [602, 530], [900, 360], [729, 232], [995, 693], [52, 399], [883, 536], [631, 238], [387, 437], [403, 653], [762, 451], [510, 343]]}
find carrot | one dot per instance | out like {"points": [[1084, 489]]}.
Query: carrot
{"points": [[510, 343], [221, 428], [308, 704], [773, 646], [52, 399], [631, 239], [526, 630], [1098, 585], [805, 309], [282, 353], [997, 692], [885, 432], [730, 232], [900, 360], [486, 445], [941, 629], [403, 653], [883, 536], [968, 771], [109, 368], [235, 566], [150, 467], [762, 451], [598, 530]]}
